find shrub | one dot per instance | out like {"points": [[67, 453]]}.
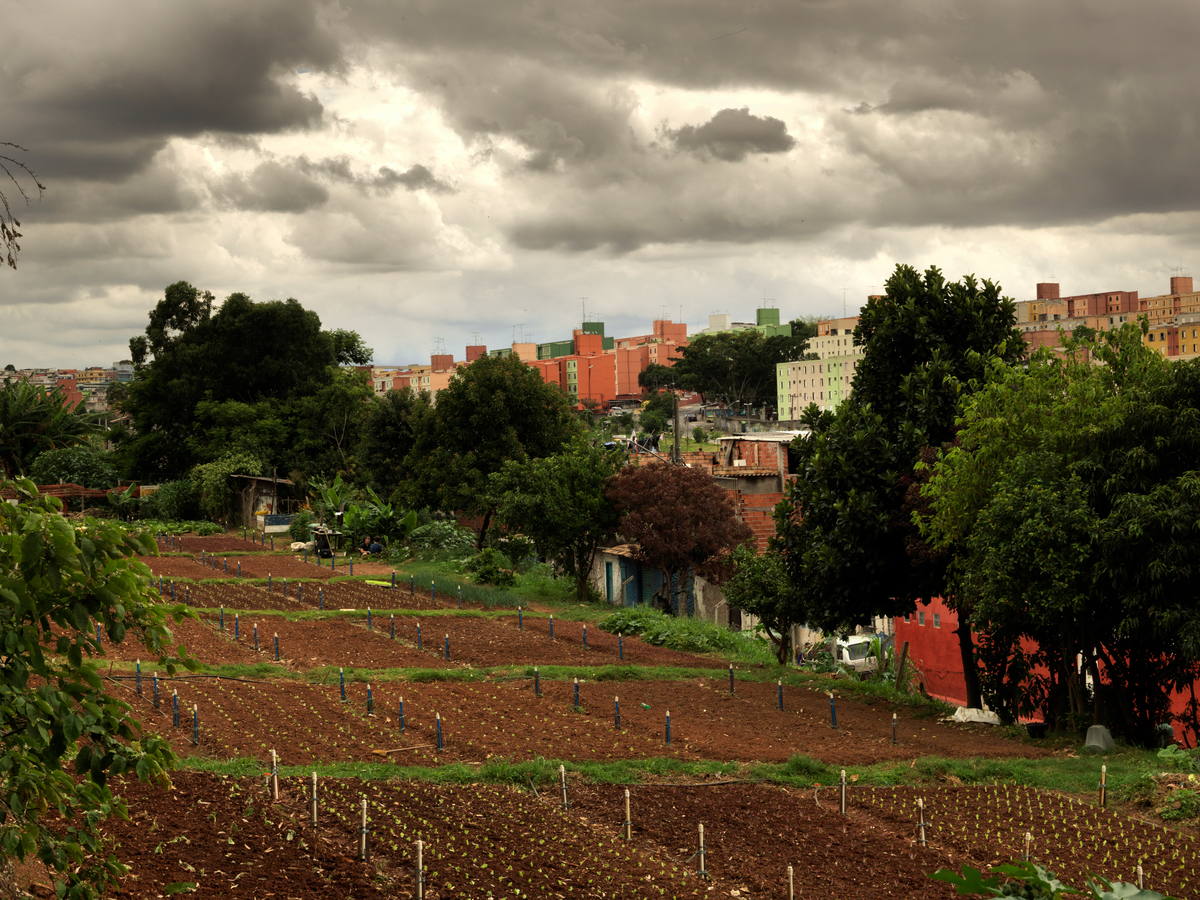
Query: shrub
{"points": [[173, 501], [490, 567], [299, 530]]}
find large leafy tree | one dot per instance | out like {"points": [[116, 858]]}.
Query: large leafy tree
{"points": [[559, 502], [62, 735], [494, 411], [266, 358], [845, 526], [33, 421], [82, 464], [1071, 507], [738, 367], [681, 520], [760, 586], [388, 436]]}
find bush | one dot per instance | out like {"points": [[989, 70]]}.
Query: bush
{"points": [[173, 501], [299, 530], [685, 635], [1182, 804], [74, 465], [442, 536], [491, 567]]}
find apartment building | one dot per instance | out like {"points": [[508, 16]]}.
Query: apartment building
{"points": [[826, 380]]}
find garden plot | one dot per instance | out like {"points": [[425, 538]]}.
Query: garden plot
{"points": [[1070, 838], [754, 832], [361, 595], [219, 834], [175, 567], [628, 649], [482, 642], [748, 726], [482, 841], [280, 565], [313, 643], [213, 543], [199, 638], [232, 596]]}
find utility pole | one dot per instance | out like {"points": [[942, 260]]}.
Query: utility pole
{"points": [[676, 456]]}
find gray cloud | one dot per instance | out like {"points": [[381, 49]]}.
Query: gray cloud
{"points": [[271, 187], [340, 169], [732, 134]]}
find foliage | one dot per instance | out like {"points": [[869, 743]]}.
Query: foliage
{"points": [[251, 378], [559, 502], [58, 583], [81, 464], [442, 535], [658, 415], [299, 529], [494, 411], [15, 171], [373, 517], [334, 498], [681, 521], [388, 436], [655, 377], [174, 500], [217, 495], [1034, 882], [738, 367], [685, 635], [34, 421], [760, 586], [1073, 508], [698, 434], [927, 344], [489, 566], [1182, 804]]}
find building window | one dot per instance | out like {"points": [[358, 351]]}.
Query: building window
{"points": [[937, 620], [907, 618], [921, 618]]}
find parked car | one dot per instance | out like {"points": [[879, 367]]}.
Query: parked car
{"points": [[854, 652]]}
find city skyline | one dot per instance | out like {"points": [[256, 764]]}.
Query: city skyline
{"points": [[417, 172]]}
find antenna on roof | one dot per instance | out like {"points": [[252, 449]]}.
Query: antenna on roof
{"points": [[843, 303], [582, 310], [475, 337]]}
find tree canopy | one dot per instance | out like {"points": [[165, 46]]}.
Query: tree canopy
{"points": [[33, 421], [760, 586], [252, 377], [737, 368], [559, 502], [494, 411], [63, 736], [681, 520], [1072, 507], [845, 526]]}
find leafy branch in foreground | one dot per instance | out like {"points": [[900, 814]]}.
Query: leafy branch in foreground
{"points": [[1031, 881]]}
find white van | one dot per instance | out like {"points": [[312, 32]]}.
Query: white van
{"points": [[854, 652]]}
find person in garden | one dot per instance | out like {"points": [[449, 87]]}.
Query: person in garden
{"points": [[370, 547]]}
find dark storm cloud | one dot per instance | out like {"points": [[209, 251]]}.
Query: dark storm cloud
{"points": [[733, 133], [272, 187], [415, 178], [99, 90]]}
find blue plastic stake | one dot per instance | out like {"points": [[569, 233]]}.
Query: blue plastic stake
{"points": [[285, 588], [256, 637], [236, 626], [333, 562], [576, 695], [617, 713], [668, 726], [447, 646], [731, 678], [139, 677], [239, 568], [439, 731], [393, 626], [418, 635], [175, 720], [832, 711], [520, 620], [172, 592], [781, 694], [432, 593], [584, 637], [412, 585], [97, 633], [272, 542], [306, 555], [227, 565], [537, 688], [369, 619], [156, 690], [300, 592], [196, 725], [460, 596], [552, 628], [393, 578], [268, 582], [620, 648], [402, 715], [277, 647], [222, 626], [320, 599], [187, 594], [342, 678], [370, 702]]}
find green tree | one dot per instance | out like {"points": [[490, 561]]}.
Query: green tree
{"points": [[494, 411], [63, 736], [1071, 506], [658, 413], [33, 421], [388, 436], [736, 368], [760, 586], [81, 464], [655, 377], [682, 521], [217, 496], [927, 344], [191, 360], [559, 503]]}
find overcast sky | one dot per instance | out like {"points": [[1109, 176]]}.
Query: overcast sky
{"points": [[423, 170]]}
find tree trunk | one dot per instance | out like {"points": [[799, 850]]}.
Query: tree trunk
{"points": [[487, 520], [966, 649]]}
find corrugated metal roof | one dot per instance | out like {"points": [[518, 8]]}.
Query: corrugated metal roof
{"points": [[773, 437]]}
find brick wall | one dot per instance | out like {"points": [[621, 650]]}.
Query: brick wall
{"points": [[758, 512]]}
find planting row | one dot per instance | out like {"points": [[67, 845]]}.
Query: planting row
{"points": [[1070, 838]]}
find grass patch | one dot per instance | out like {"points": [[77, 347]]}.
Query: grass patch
{"points": [[687, 635]]}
